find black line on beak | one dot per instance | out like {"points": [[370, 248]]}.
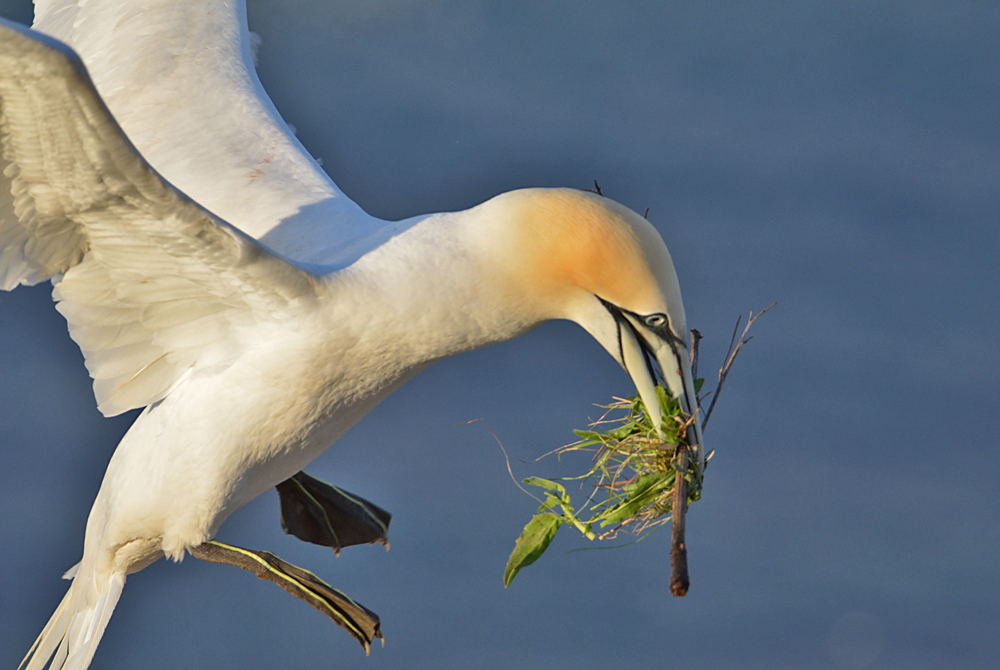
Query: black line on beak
{"points": [[647, 351], [665, 333]]}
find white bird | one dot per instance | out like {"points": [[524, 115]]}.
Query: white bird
{"points": [[214, 275]]}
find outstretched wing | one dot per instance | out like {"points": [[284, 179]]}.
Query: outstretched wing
{"points": [[178, 76], [153, 285]]}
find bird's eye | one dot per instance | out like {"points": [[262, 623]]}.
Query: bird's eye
{"points": [[655, 320]]}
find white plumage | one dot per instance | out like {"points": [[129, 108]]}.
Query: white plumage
{"points": [[254, 346]]}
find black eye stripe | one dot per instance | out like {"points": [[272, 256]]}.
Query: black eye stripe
{"points": [[664, 331]]}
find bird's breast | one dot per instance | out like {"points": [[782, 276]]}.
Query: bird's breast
{"points": [[222, 438]]}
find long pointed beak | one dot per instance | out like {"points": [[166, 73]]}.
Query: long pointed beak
{"points": [[637, 344]]}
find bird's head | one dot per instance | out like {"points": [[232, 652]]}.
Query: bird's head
{"points": [[579, 256]]}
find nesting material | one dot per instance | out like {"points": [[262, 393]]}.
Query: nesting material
{"points": [[642, 476], [634, 473]]}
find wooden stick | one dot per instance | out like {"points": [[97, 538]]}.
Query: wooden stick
{"points": [[679, 581]]}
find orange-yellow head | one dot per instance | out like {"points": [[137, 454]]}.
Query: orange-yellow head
{"points": [[579, 256]]}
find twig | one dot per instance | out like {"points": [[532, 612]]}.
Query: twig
{"points": [[695, 339], [734, 349], [679, 581]]}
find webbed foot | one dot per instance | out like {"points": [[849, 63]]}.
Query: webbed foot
{"points": [[359, 621], [317, 512]]}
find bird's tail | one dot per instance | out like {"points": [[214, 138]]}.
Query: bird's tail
{"points": [[71, 636]]}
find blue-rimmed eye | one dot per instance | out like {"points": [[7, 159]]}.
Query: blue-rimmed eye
{"points": [[656, 320]]}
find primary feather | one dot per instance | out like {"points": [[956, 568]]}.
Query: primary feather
{"points": [[150, 281], [188, 97]]}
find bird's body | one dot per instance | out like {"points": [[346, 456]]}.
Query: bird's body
{"points": [[254, 346], [303, 381]]}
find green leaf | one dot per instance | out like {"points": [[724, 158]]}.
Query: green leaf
{"points": [[534, 540], [645, 491], [589, 436], [668, 403], [546, 484], [663, 396], [569, 512], [631, 450], [550, 485], [698, 383], [551, 500], [623, 432]]}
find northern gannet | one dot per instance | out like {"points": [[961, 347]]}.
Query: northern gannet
{"points": [[214, 275]]}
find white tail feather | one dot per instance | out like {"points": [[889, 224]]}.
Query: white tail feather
{"points": [[71, 636]]}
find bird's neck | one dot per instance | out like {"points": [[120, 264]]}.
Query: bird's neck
{"points": [[435, 290]]}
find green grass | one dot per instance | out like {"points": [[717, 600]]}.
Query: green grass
{"points": [[632, 475]]}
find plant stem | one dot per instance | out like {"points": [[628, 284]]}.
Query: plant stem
{"points": [[679, 581], [731, 357]]}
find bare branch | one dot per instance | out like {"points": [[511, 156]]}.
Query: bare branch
{"points": [[679, 580], [734, 349], [695, 340], [596, 189]]}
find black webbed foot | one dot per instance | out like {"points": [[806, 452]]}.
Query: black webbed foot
{"points": [[359, 621], [317, 512]]}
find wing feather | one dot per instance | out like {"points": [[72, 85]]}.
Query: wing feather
{"points": [[152, 285], [178, 75]]}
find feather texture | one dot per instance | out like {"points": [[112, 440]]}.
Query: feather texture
{"points": [[188, 96], [71, 636], [151, 283]]}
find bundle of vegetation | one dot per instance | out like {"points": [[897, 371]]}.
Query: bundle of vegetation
{"points": [[642, 476]]}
